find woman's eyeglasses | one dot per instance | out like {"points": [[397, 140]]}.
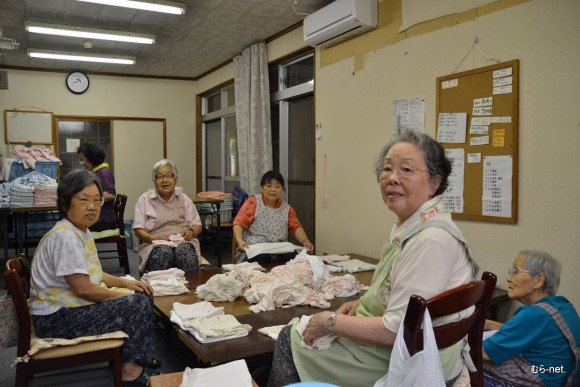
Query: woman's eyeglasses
{"points": [[166, 176], [97, 201], [403, 171], [516, 271]]}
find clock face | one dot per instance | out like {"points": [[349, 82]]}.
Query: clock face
{"points": [[77, 82]]}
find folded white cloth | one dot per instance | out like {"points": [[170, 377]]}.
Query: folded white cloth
{"points": [[334, 258], [274, 330], [174, 318], [234, 373], [354, 265], [218, 326], [322, 343], [199, 309], [271, 248], [243, 266], [333, 269]]}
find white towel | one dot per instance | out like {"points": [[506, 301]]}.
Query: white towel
{"points": [[243, 266], [271, 248], [218, 326], [234, 373], [354, 265], [274, 330], [174, 318], [199, 309]]}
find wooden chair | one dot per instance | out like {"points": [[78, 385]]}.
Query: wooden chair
{"points": [[119, 239], [478, 294], [56, 358]]}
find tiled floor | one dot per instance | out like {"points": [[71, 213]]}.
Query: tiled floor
{"points": [[171, 352]]}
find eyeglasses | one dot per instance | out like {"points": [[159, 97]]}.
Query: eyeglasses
{"points": [[97, 201], [403, 171], [82, 162], [516, 271], [166, 176]]}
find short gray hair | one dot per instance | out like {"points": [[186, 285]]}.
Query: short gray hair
{"points": [[435, 159], [162, 163], [74, 182], [540, 262]]}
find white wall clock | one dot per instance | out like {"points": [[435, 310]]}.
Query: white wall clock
{"points": [[77, 82]]}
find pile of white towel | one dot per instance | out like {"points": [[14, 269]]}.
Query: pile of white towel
{"points": [[207, 323], [166, 282]]}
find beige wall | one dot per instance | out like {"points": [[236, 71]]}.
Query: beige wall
{"points": [[117, 97], [354, 106]]}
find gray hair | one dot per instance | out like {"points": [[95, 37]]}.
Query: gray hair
{"points": [[74, 182], [435, 159], [162, 163], [540, 262]]}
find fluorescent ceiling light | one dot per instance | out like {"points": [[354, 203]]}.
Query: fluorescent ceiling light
{"points": [[154, 5], [64, 55], [90, 33]]}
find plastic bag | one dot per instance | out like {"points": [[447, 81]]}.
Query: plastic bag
{"points": [[421, 369]]}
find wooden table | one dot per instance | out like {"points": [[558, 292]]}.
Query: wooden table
{"points": [[217, 203], [255, 348]]}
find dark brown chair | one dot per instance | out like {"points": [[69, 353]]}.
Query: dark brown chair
{"points": [[56, 358], [476, 293], [119, 239]]}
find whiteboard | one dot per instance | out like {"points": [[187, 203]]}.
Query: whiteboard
{"points": [[22, 126]]}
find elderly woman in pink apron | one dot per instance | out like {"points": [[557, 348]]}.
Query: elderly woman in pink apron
{"points": [[167, 223]]}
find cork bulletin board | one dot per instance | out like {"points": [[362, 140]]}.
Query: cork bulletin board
{"points": [[477, 123]]}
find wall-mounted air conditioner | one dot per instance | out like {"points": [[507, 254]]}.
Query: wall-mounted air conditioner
{"points": [[338, 21]]}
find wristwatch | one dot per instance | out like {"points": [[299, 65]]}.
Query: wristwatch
{"points": [[330, 322]]}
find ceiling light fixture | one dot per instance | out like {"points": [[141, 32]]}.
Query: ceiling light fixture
{"points": [[64, 55], [156, 5], [91, 33]]}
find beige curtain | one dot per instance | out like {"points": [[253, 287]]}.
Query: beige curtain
{"points": [[253, 116]]}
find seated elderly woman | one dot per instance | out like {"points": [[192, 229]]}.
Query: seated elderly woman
{"points": [[266, 218], [426, 254], [70, 295], [539, 345], [167, 223]]}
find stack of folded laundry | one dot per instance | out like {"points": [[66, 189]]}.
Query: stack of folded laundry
{"points": [[207, 323], [166, 282], [45, 195]]}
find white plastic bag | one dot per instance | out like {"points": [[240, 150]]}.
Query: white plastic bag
{"points": [[421, 369]]}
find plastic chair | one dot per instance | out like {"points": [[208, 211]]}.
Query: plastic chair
{"points": [[118, 238], [476, 293], [56, 358]]}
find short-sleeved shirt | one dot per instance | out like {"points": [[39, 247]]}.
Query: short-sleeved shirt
{"points": [[532, 333], [246, 214], [108, 182]]}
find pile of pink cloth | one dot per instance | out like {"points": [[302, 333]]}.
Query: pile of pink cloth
{"points": [[30, 155]]}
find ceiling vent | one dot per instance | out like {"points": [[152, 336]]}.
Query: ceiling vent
{"points": [[7, 43]]}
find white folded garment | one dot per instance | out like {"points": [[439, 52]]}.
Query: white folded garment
{"points": [[218, 326], [234, 373], [174, 318], [274, 330], [354, 265], [334, 258], [271, 248], [243, 266], [199, 309]]}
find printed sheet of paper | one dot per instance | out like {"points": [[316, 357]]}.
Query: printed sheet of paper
{"points": [[453, 195], [409, 114], [452, 127], [497, 186]]}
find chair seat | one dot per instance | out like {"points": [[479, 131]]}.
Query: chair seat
{"points": [[105, 233], [78, 349]]}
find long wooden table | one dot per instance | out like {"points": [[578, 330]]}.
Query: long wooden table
{"points": [[255, 348]]}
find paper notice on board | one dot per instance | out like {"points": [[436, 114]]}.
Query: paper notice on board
{"points": [[478, 129], [452, 127], [498, 137], [502, 72], [497, 186], [480, 121], [449, 84], [409, 114], [453, 195], [502, 90], [479, 102], [473, 158], [482, 140]]}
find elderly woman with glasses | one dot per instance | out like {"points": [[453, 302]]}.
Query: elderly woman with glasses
{"points": [[71, 296], [92, 158], [426, 254], [539, 345], [167, 223]]}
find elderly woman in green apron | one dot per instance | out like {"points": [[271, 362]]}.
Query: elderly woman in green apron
{"points": [[71, 296], [426, 254], [538, 346]]}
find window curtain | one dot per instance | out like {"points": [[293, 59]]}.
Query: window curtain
{"points": [[253, 116]]}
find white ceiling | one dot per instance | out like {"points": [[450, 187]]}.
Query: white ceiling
{"points": [[209, 34]]}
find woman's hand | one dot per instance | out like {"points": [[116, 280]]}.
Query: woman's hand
{"points": [[160, 237], [139, 286], [348, 308], [316, 327], [308, 246], [243, 245], [188, 234]]}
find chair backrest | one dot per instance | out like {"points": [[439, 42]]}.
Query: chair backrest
{"points": [[120, 203], [18, 282], [239, 197], [476, 293]]}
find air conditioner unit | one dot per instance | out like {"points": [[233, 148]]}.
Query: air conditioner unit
{"points": [[339, 21]]}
